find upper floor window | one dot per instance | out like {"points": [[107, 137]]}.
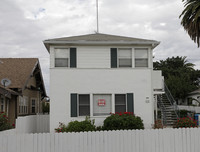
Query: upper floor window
{"points": [[124, 57], [61, 57], [141, 57]]}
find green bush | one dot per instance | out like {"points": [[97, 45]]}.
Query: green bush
{"points": [[76, 126], [4, 124], [183, 113], [124, 120], [158, 124], [186, 122]]}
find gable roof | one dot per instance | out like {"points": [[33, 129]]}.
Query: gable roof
{"points": [[19, 71], [99, 38]]}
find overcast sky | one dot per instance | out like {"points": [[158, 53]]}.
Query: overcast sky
{"points": [[24, 24]]}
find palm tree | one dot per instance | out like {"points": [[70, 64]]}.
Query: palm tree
{"points": [[191, 19]]}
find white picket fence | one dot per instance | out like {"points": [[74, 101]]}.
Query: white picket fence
{"points": [[159, 140]]}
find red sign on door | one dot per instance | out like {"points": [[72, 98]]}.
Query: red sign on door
{"points": [[101, 102]]}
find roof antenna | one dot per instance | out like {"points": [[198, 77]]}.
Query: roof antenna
{"points": [[97, 16]]}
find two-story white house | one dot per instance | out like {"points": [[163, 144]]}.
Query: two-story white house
{"points": [[98, 74]]}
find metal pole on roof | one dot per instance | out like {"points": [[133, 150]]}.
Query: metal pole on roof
{"points": [[97, 16]]}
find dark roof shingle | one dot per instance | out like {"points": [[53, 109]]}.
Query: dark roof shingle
{"points": [[18, 70]]}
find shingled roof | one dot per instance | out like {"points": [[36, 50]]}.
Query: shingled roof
{"points": [[99, 38], [19, 71]]}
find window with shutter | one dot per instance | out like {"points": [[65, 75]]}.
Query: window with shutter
{"points": [[61, 57], [84, 104], [120, 103]]}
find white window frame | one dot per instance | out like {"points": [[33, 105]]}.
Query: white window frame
{"points": [[68, 49], [131, 57], [111, 102], [23, 105], [148, 57]]}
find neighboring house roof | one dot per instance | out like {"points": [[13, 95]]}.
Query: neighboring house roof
{"points": [[195, 92], [99, 38], [7, 92], [19, 71]]}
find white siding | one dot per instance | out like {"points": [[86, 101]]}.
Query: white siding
{"points": [[93, 57]]}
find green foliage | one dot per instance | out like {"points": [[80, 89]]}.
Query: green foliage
{"points": [[186, 122], [183, 113], [180, 76], [4, 124], [76, 126], [158, 124], [191, 19], [45, 107], [123, 121]]}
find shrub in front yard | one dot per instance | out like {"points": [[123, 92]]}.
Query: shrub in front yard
{"points": [[183, 113], [186, 122], [124, 120], [77, 126], [158, 124], [4, 124]]}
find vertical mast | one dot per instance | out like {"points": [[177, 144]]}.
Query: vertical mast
{"points": [[97, 16]]}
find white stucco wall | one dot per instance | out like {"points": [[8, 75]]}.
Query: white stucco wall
{"points": [[99, 81]]}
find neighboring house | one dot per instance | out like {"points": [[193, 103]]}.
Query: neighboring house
{"points": [[193, 98], [98, 74], [26, 89], [8, 104]]}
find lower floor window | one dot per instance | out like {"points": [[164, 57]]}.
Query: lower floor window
{"points": [[2, 104], [84, 104], [102, 104], [120, 103], [33, 105]]}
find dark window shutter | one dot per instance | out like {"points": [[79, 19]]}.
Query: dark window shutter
{"points": [[113, 54], [130, 103], [73, 57], [73, 105]]}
